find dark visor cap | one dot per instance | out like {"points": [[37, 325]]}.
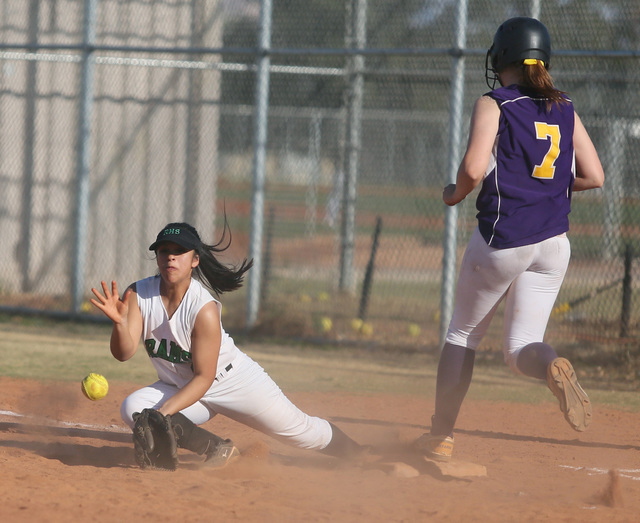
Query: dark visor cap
{"points": [[180, 235]]}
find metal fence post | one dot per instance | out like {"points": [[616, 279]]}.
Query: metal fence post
{"points": [[84, 153], [192, 159], [259, 160], [455, 131], [614, 188], [535, 9], [356, 39], [26, 221]]}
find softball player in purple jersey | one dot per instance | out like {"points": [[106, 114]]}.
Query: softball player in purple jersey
{"points": [[201, 372], [530, 150]]}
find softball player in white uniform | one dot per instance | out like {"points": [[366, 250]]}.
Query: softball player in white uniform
{"points": [[201, 372]]}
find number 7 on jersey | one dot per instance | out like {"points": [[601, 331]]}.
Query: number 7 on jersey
{"points": [[544, 131]]}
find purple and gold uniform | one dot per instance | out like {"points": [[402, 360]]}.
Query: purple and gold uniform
{"points": [[530, 151], [526, 194], [519, 251]]}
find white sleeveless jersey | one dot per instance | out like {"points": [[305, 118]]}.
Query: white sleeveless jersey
{"points": [[168, 341]]}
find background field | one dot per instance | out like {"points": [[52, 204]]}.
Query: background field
{"points": [[367, 105], [66, 458]]}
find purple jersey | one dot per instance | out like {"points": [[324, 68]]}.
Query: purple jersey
{"points": [[526, 194]]}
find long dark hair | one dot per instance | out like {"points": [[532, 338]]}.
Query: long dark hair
{"points": [[210, 272], [536, 77]]}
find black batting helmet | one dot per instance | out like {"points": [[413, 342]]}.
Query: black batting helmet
{"points": [[516, 40]]}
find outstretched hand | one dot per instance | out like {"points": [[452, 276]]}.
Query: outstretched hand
{"points": [[115, 309]]}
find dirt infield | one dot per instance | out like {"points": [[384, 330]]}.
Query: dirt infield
{"points": [[537, 468]]}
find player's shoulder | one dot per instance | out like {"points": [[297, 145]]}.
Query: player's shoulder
{"points": [[507, 93], [147, 287], [207, 315], [486, 101], [485, 109]]}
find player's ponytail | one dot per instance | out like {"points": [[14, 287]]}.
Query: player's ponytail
{"points": [[536, 77], [215, 275]]}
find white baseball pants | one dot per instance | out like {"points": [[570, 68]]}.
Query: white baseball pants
{"points": [[528, 278], [244, 393]]}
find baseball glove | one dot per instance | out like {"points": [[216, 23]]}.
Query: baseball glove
{"points": [[154, 441]]}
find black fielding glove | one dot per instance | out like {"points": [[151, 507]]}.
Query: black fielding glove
{"points": [[154, 441]]}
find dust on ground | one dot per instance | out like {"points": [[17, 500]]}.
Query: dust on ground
{"points": [[537, 468]]}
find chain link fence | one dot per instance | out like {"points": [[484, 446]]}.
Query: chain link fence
{"points": [[117, 117]]}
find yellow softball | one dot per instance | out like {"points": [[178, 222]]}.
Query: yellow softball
{"points": [[95, 386], [366, 329]]}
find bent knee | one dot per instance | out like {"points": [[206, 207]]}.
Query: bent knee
{"points": [[127, 410]]}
